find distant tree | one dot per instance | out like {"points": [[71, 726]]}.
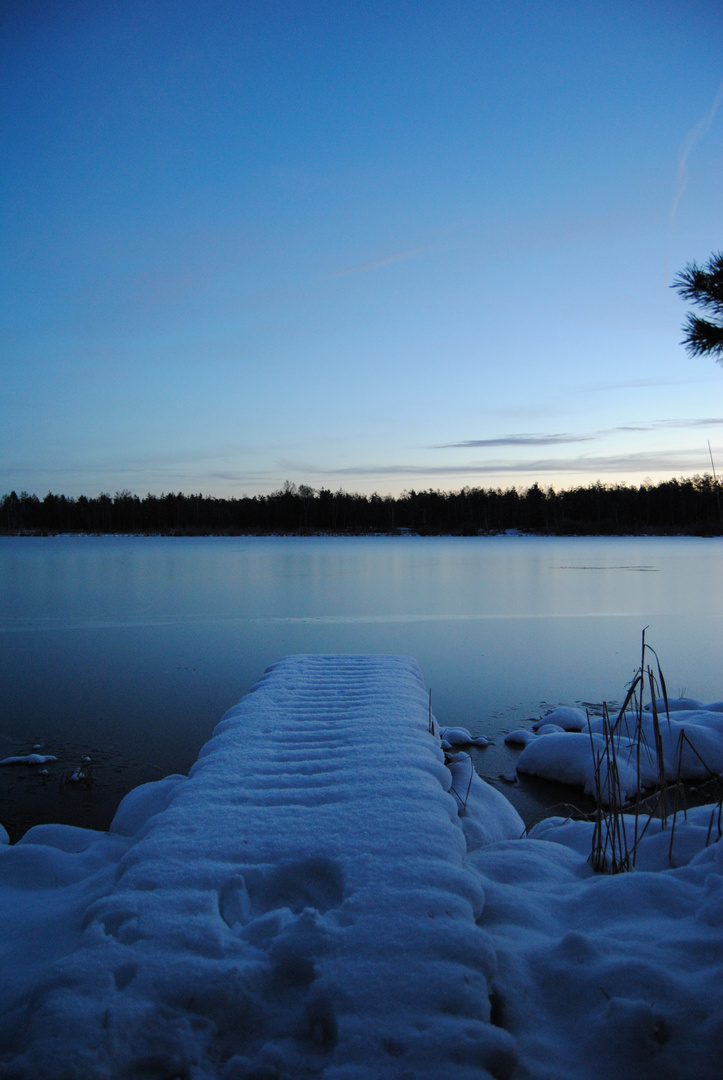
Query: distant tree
{"points": [[704, 286]]}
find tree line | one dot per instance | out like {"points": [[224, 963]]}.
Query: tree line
{"points": [[686, 506]]}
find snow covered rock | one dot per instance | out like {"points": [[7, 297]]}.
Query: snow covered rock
{"points": [[566, 718], [691, 741], [460, 736], [568, 758], [28, 759], [549, 729], [519, 737], [675, 705]]}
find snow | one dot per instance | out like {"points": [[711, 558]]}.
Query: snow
{"points": [[484, 813], [460, 736], [680, 705], [519, 737], [691, 742], [328, 894], [605, 976], [568, 758], [28, 759], [565, 718]]}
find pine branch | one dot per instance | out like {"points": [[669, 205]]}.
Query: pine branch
{"points": [[703, 285], [703, 337]]}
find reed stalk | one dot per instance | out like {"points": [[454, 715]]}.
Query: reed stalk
{"points": [[610, 849]]}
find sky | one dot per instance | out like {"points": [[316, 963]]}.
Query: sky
{"points": [[375, 245]]}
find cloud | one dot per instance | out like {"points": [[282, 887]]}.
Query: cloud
{"points": [[238, 468], [657, 425], [634, 384], [515, 440], [374, 264], [693, 136], [561, 439], [673, 462], [558, 471]]}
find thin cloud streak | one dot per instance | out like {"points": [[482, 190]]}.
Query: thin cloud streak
{"points": [[515, 440], [374, 264], [559, 439], [672, 462], [638, 384], [581, 470], [693, 136], [657, 425]]}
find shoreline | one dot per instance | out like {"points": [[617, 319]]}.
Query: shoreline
{"points": [[353, 533]]}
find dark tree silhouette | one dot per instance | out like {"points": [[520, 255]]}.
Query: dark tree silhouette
{"points": [[679, 506], [704, 286]]}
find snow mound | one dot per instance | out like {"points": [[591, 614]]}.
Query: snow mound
{"points": [[566, 718], [651, 844], [485, 814], [519, 737], [568, 758], [691, 741], [460, 736], [674, 705]]}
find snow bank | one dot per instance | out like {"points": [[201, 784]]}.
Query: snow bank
{"points": [[606, 977], [324, 897], [656, 845]]}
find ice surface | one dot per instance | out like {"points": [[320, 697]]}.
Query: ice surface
{"points": [[327, 894]]}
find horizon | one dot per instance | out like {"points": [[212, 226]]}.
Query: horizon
{"points": [[290, 487], [377, 249]]}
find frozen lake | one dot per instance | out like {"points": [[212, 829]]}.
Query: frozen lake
{"points": [[128, 650]]}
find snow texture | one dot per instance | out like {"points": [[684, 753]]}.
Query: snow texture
{"points": [[327, 894], [299, 906], [691, 740]]}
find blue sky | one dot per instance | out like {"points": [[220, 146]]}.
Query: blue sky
{"points": [[369, 245]]}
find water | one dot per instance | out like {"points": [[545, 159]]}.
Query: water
{"points": [[128, 650]]}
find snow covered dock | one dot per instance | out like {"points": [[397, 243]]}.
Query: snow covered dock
{"points": [[328, 895], [298, 906]]}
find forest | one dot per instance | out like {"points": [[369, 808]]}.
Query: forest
{"points": [[685, 506]]}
